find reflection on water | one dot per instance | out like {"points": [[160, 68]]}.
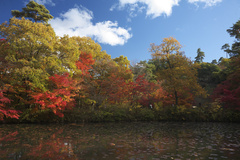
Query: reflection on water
{"points": [[121, 141]]}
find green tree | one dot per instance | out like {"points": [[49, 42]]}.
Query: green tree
{"points": [[214, 62], [34, 11], [209, 76], [234, 31], [144, 68], [220, 60], [200, 56]]}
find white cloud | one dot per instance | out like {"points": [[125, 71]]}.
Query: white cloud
{"points": [[44, 2], [208, 3], [154, 8], [78, 22]]}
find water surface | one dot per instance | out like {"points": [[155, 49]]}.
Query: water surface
{"points": [[137, 140]]}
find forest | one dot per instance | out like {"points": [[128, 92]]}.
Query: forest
{"points": [[46, 78]]}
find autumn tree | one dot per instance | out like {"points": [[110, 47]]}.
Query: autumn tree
{"points": [[123, 66], [5, 109], [34, 11], [93, 64], [5, 67], [115, 89], [85, 63], [104, 72], [89, 46], [32, 53], [30, 49], [145, 93], [59, 97], [27, 52], [178, 73], [122, 61], [228, 91]]}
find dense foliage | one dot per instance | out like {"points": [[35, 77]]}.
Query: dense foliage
{"points": [[49, 78]]}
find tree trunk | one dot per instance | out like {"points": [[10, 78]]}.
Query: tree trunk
{"points": [[176, 98]]}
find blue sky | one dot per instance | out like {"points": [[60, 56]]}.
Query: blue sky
{"points": [[128, 27]]}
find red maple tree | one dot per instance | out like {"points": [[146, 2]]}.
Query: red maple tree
{"points": [[60, 98], [5, 110], [228, 92]]}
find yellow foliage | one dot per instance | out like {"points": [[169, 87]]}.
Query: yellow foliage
{"points": [[178, 73]]}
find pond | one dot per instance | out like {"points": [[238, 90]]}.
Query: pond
{"points": [[133, 141]]}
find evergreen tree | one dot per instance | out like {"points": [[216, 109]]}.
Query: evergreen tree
{"points": [[35, 12], [234, 31], [214, 62], [200, 56]]}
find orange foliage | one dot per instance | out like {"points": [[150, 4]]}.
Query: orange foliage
{"points": [[141, 91], [84, 63]]}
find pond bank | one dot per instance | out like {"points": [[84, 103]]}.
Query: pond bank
{"points": [[126, 114]]}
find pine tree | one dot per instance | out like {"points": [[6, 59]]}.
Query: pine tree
{"points": [[200, 56], [35, 12]]}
